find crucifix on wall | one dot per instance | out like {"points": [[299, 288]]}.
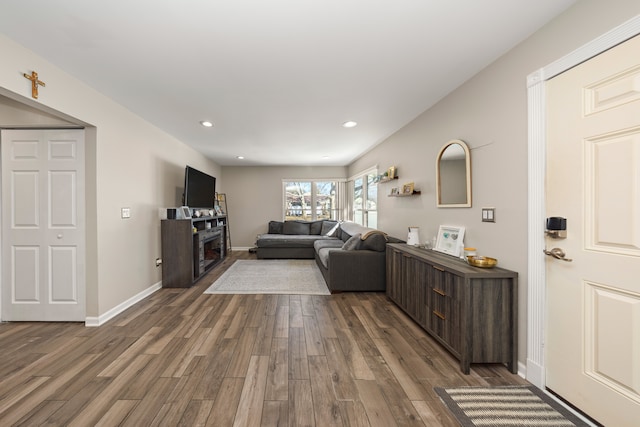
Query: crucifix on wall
{"points": [[34, 83]]}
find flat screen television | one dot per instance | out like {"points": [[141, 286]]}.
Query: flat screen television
{"points": [[199, 189]]}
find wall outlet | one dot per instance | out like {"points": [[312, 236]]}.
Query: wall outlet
{"points": [[125, 213]]}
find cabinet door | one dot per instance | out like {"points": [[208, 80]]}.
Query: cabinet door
{"points": [[394, 274], [444, 300], [416, 273]]}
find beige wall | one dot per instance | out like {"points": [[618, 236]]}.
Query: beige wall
{"points": [[255, 197], [488, 112], [130, 163]]}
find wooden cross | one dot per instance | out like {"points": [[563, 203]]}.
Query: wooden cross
{"points": [[34, 83]]}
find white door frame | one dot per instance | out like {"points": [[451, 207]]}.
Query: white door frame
{"points": [[536, 295]]}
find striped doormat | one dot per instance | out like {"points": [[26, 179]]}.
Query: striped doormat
{"points": [[506, 406]]}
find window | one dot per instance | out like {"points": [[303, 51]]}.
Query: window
{"points": [[365, 199], [311, 200]]}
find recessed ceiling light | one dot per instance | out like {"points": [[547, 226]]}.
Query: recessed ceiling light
{"points": [[240, 157], [206, 123], [326, 157], [349, 124]]}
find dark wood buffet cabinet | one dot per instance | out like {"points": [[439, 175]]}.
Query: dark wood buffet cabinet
{"points": [[471, 311]]}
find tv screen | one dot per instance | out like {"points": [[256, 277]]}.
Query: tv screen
{"points": [[199, 189]]}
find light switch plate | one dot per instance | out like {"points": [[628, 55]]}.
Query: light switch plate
{"points": [[488, 214], [126, 213]]}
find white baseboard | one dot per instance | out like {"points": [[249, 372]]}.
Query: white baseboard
{"points": [[522, 370], [104, 318], [535, 374], [241, 248]]}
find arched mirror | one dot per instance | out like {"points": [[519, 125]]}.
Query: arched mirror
{"points": [[453, 175]]}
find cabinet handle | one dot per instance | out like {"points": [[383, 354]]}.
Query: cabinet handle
{"points": [[438, 268], [440, 315], [439, 292]]}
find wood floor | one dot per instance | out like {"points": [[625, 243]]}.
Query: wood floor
{"points": [[184, 358]]}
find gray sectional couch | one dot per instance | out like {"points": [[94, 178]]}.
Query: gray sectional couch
{"points": [[351, 257]]}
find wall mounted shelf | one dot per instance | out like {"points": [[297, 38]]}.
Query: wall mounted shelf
{"points": [[386, 179], [415, 193]]}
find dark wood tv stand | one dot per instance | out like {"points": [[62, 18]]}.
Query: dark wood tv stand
{"points": [[471, 311], [191, 248]]}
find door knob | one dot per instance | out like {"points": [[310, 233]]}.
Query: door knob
{"points": [[557, 253]]}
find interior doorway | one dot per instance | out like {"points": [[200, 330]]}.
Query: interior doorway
{"points": [[43, 225]]}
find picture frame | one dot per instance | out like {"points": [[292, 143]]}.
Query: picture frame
{"points": [[391, 172], [218, 210], [186, 212], [407, 188], [450, 240]]}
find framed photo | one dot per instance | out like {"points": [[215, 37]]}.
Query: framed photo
{"points": [[391, 172], [186, 212], [450, 240], [218, 210], [394, 191], [407, 188]]}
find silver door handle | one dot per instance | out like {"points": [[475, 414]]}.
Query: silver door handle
{"points": [[557, 253]]}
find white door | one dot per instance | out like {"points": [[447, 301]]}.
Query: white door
{"points": [[593, 180], [43, 248]]}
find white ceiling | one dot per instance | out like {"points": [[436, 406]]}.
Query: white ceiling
{"points": [[277, 78]]}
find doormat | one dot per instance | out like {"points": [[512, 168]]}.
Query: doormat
{"points": [[506, 406], [271, 276]]}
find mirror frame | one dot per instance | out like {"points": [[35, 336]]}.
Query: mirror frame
{"points": [[467, 154]]}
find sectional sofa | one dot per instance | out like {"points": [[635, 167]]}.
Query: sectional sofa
{"points": [[351, 257]]}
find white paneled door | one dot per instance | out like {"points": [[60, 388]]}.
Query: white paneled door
{"points": [[593, 180], [43, 225]]}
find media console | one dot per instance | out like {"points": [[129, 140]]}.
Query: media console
{"points": [[191, 248]]}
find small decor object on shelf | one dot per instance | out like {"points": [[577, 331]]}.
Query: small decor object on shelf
{"points": [[218, 210], [450, 240], [391, 172], [407, 188], [395, 191], [413, 239], [482, 261]]}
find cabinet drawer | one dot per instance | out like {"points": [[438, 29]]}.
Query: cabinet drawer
{"points": [[445, 319]]}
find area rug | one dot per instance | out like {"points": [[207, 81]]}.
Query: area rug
{"points": [[271, 276], [506, 406]]}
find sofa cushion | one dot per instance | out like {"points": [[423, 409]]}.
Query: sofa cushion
{"points": [[323, 255], [374, 242], [288, 240], [327, 242], [327, 226], [275, 227], [296, 227], [315, 227], [353, 243]]}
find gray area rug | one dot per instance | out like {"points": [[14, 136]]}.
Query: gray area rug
{"points": [[271, 276], [506, 406]]}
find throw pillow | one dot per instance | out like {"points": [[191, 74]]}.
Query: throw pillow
{"points": [[374, 242], [353, 243], [316, 227], [275, 227], [334, 230], [327, 226]]}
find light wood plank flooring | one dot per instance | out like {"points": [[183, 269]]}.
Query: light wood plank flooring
{"points": [[184, 358]]}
